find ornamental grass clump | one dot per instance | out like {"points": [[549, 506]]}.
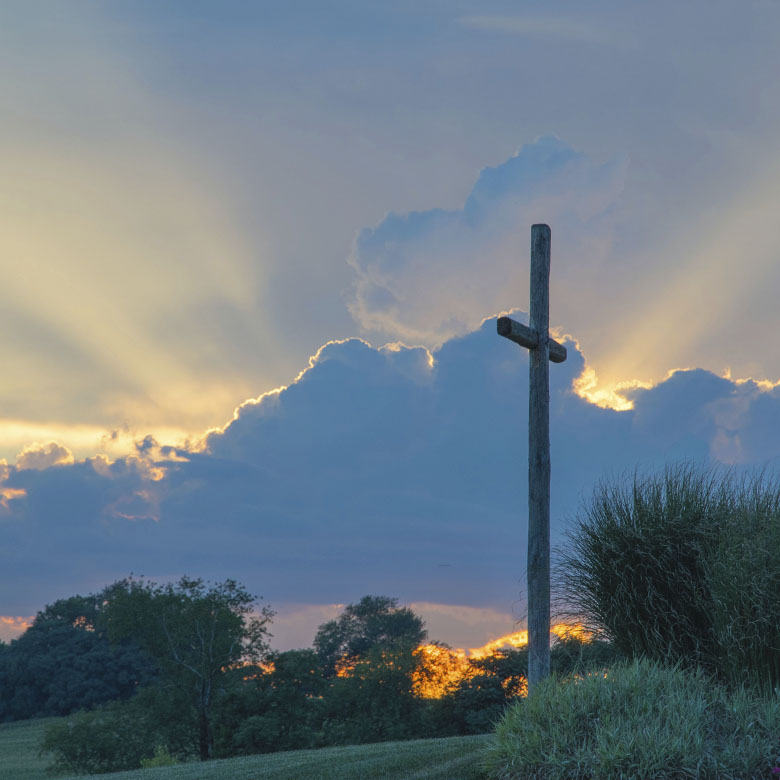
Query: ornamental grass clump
{"points": [[742, 575], [638, 721], [682, 567]]}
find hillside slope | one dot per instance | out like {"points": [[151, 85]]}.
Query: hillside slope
{"points": [[453, 758]]}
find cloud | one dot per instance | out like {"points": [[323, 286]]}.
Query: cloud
{"points": [[43, 456], [61, 532], [390, 470], [12, 626], [294, 625], [427, 276], [465, 627]]}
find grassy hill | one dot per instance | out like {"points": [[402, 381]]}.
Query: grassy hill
{"points": [[454, 758], [19, 759]]}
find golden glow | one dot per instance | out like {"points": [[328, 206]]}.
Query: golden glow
{"points": [[123, 255], [705, 293], [39, 456], [17, 622], [586, 386], [82, 441], [344, 668], [441, 669], [347, 668], [520, 639], [397, 346], [9, 494], [12, 626], [611, 393], [265, 668], [762, 384]]}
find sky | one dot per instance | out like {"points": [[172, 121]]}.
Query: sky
{"points": [[251, 263]]}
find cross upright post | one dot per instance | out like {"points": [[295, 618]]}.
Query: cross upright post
{"points": [[542, 349]]}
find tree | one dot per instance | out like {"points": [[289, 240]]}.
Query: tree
{"points": [[294, 696], [375, 621], [480, 698], [478, 704], [280, 709], [64, 662], [79, 611], [194, 631], [373, 699]]}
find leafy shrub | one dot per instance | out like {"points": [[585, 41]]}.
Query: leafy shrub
{"points": [[743, 580], [571, 654], [270, 733], [105, 740], [120, 735], [479, 703], [480, 697], [479, 700], [638, 721], [682, 566], [161, 757]]}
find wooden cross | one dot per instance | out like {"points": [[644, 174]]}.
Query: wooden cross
{"points": [[541, 349]]}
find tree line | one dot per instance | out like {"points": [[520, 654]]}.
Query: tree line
{"points": [[184, 670]]}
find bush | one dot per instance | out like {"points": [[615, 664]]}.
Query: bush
{"points": [[638, 721], [480, 699], [479, 703], [682, 567], [572, 655], [161, 758], [121, 735], [743, 580], [104, 740]]}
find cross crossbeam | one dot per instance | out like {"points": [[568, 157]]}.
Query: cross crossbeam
{"points": [[525, 337]]}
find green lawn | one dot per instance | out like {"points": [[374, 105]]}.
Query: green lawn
{"points": [[19, 742], [454, 758]]}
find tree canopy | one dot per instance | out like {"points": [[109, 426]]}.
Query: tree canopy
{"points": [[374, 622], [195, 631], [64, 662]]}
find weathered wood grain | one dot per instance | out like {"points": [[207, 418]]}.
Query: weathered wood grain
{"points": [[542, 350], [525, 337], [539, 462]]}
